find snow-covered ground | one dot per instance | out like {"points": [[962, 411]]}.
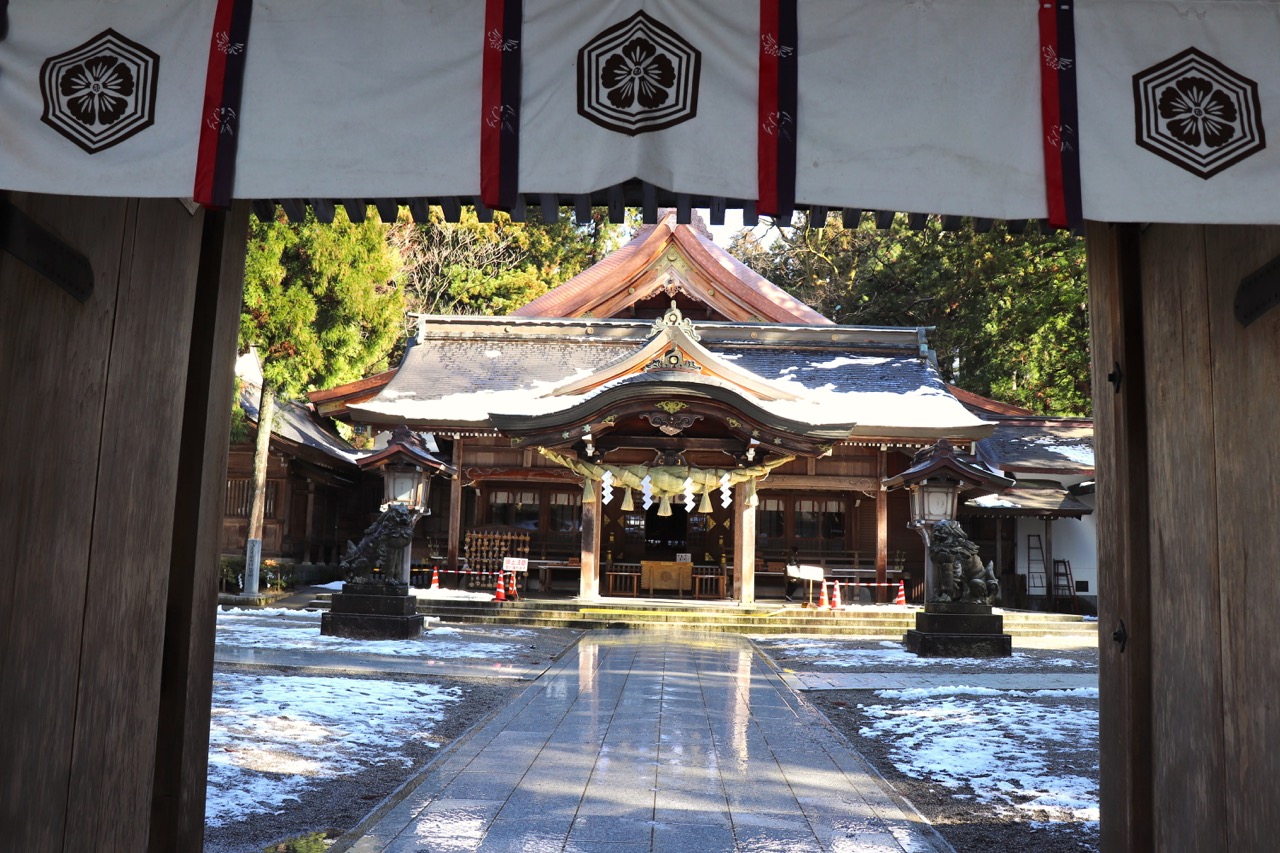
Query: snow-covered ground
{"points": [[889, 655], [299, 630], [273, 735], [1028, 755], [1000, 743]]}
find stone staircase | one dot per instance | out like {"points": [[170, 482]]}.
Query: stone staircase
{"points": [[874, 621]]}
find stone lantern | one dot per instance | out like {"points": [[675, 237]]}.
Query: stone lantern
{"points": [[957, 619], [375, 602]]}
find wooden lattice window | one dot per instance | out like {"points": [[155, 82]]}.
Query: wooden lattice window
{"points": [[240, 496]]}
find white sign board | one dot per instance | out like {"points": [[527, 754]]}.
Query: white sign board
{"points": [[805, 573], [684, 558], [515, 564]]}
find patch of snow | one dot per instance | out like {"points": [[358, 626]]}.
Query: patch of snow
{"points": [[1081, 454], [299, 630], [271, 736], [492, 353], [451, 594], [890, 655], [998, 746], [844, 361], [993, 501]]}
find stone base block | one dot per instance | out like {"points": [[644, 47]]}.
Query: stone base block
{"points": [[935, 645], [373, 605], [959, 623], [370, 626]]}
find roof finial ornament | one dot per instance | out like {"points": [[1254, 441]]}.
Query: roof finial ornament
{"points": [[673, 318]]}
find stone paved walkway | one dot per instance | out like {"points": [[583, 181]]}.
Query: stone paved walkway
{"points": [[634, 741]]}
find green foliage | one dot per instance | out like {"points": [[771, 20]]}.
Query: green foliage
{"points": [[311, 842], [240, 432], [492, 268], [1011, 311], [321, 302]]}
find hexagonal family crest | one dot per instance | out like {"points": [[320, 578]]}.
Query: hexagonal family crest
{"points": [[638, 76], [1197, 113], [100, 93]]}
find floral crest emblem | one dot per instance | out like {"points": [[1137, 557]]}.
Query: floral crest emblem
{"points": [[227, 46], [222, 119], [100, 93], [1197, 113], [771, 47], [638, 76]]}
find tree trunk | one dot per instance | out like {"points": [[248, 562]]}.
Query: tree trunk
{"points": [[258, 503]]}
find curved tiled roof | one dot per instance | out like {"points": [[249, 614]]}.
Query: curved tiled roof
{"points": [[735, 284]]}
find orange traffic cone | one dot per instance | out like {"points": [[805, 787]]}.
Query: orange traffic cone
{"points": [[435, 577], [500, 594], [514, 593], [902, 594], [835, 595], [822, 602]]}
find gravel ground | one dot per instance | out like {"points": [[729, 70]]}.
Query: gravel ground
{"points": [[337, 805]]}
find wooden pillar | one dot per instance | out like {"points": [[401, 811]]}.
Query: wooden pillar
{"points": [[744, 542], [882, 528], [592, 518], [182, 741], [105, 678], [1120, 429], [455, 506], [309, 550]]}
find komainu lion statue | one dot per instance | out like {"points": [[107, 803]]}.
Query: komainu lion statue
{"points": [[391, 533], [960, 574]]}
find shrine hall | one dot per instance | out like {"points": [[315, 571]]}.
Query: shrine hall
{"points": [[669, 422]]}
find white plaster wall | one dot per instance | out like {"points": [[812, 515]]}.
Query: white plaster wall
{"points": [[1073, 539]]}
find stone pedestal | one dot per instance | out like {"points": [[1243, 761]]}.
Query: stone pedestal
{"points": [[958, 630], [368, 611]]}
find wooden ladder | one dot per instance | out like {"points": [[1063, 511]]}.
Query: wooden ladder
{"points": [[1037, 579], [1064, 587]]}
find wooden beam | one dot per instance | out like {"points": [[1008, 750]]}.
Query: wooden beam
{"points": [[820, 483]]}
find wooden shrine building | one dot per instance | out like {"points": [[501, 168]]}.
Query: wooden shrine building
{"points": [[756, 430]]}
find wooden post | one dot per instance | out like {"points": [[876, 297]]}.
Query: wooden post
{"points": [[592, 516], [182, 739], [882, 528], [1120, 429], [744, 542], [455, 506], [105, 697], [309, 550]]}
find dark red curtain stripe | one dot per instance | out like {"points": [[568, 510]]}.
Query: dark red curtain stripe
{"points": [[778, 96], [220, 118], [500, 117], [1060, 113]]}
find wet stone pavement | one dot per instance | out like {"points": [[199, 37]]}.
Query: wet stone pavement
{"points": [[650, 742]]}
